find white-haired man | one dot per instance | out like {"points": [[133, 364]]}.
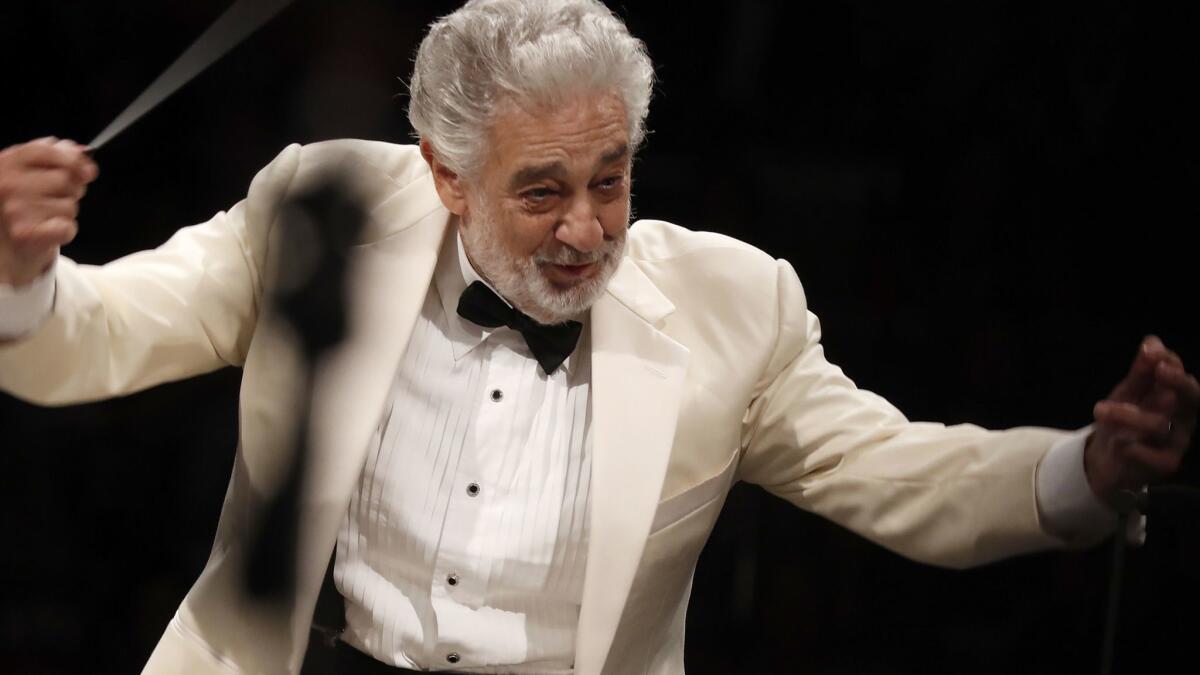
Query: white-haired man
{"points": [[519, 453]]}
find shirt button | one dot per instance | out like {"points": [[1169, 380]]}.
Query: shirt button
{"points": [[497, 395], [473, 490], [452, 579], [452, 657]]}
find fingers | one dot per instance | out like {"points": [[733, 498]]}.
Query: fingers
{"points": [[41, 183], [45, 236], [1153, 463], [1140, 378], [1183, 387], [36, 184], [37, 229], [54, 232], [1131, 422], [1160, 399], [1143, 445], [26, 217], [53, 154], [1167, 356]]}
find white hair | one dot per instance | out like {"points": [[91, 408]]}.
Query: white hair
{"points": [[527, 51]]}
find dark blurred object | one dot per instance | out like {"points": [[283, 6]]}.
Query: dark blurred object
{"points": [[1161, 501], [1157, 501], [319, 225]]}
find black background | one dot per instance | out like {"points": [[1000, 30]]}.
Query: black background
{"points": [[989, 204]]}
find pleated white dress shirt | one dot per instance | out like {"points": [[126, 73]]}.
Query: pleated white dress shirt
{"points": [[464, 547]]}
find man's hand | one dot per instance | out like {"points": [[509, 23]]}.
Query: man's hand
{"points": [[1144, 426], [41, 183]]}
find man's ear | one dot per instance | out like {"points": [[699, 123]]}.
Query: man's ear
{"points": [[450, 186]]}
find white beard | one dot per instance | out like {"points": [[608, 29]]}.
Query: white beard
{"points": [[522, 283]]}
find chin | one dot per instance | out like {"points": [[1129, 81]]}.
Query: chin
{"points": [[561, 311], [564, 287], [555, 303], [547, 297]]}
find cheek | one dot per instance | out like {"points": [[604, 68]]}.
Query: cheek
{"points": [[517, 232], [614, 219], [529, 234]]}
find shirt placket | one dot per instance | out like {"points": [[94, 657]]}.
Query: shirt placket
{"points": [[460, 579]]}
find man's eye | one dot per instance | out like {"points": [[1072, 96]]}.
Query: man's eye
{"points": [[610, 183], [538, 194]]}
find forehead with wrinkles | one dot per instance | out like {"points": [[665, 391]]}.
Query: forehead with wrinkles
{"points": [[531, 143]]}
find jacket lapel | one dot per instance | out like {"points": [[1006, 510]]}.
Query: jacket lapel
{"points": [[637, 385]]}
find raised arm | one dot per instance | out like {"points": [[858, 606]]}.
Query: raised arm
{"points": [[184, 308]]}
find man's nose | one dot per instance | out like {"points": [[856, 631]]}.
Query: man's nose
{"points": [[580, 227]]}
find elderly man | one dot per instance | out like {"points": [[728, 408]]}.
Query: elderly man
{"points": [[522, 447]]}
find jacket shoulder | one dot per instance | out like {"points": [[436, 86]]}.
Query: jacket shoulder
{"points": [[376, 171], [714, 261], [659, 241], [733, 302], [401, 163], [299, 164]]}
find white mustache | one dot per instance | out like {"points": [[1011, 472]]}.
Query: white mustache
{"points": [[569, 256]]}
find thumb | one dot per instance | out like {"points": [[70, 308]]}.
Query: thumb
{"points": [[1140, 378]]}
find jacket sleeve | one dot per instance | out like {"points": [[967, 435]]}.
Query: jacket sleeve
{"points": [[182, 309], [953, 496]]}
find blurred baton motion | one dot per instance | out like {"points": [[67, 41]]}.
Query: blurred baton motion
{"points": [[241, 19]]}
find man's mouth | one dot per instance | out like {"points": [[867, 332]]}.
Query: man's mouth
{"points": [[570, 273], [578, 270]]}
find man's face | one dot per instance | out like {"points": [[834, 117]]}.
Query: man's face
{"points": [[545, 221]]}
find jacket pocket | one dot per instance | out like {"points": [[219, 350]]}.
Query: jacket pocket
{"points": [[692, 499]]}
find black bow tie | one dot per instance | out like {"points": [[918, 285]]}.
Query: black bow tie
{"points": [[551, 345]]}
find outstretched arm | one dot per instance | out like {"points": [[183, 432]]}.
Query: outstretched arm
{"points": [[948, 495], [185, 308]]}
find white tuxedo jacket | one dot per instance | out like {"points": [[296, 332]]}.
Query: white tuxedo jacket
{"points": [[707, 368]]}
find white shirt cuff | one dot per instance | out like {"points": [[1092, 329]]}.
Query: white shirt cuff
{"points": [[24, 309], [1068, 508]]}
